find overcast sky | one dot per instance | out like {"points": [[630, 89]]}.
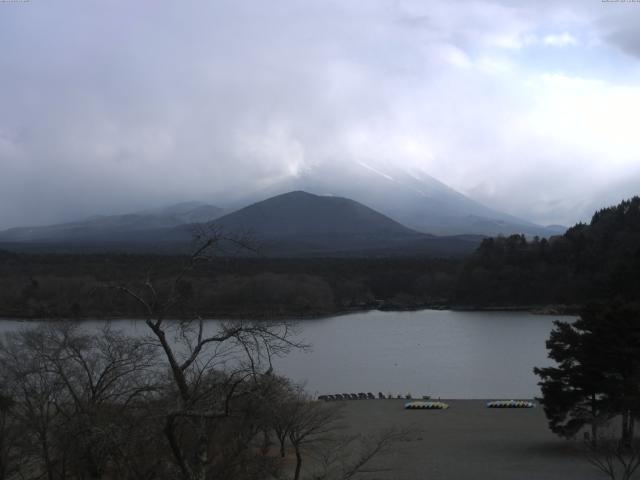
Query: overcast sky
{"points": [[530, 107]]}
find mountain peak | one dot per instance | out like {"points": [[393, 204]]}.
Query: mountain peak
{"points": [[413, 198], [300, 211]]}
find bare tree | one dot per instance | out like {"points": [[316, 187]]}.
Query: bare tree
{"points": [[71, 390], [209, 370], [9, 434], [36, 394], [315, 432], [310, 423]]}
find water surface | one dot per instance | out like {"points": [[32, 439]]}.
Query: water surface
{"points": [[446, 354]]}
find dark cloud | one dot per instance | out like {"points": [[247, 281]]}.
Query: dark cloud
{"points": [[627, 39]]}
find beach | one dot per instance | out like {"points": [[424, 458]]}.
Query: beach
{"points": [[470, 441]]}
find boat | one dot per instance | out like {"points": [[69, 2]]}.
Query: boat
{"points": [[421, 405], [510, 404]]}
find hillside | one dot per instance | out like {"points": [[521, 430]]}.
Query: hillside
{"points": [[412, 198], [301, 213], [590, 261], [132, 227], [302, 224]]}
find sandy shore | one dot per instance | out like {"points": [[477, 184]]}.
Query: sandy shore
{"points": [[470, 441]]}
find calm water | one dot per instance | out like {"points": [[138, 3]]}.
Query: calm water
{"points": [[445, 354]]}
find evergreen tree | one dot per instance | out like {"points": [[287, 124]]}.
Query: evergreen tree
{"points": [[598, 371]]}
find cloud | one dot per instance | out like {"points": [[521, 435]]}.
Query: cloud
{"points": [[627, 39], [114, 106], [560, 40]]}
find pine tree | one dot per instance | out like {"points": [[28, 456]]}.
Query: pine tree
{"points": [[597, 375]]}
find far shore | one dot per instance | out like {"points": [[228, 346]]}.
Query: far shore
{"points": [[556, 310]]}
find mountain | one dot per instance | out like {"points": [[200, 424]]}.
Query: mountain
{"points": [[291, 224], [188, 212], [116, 228], [410, 197], [300, 223], [301, 213], [554, 230]]}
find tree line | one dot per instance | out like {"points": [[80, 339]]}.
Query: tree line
{"points": [[599, 260], [72, 286]]}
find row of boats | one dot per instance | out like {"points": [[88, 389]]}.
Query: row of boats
{"points": [[367, 396], [423, 404], [426, 406], [417, 405]]}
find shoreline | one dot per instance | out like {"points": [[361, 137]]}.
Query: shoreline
{"points": [[557, 310]]}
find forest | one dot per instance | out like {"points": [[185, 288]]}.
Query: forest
{"points": [[598, 260]]}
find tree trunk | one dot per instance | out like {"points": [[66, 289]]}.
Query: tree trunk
{"points": [[594, 420], [175, 447], [201, 469], [178, 374], [298, 463], [266, 443], [626, 442], [47, 459]]}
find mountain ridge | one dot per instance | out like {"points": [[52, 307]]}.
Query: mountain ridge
{"points": [[292, 224], [105, 227], [413, 198]]}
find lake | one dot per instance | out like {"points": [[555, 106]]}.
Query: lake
{"points": [[447, 354]]}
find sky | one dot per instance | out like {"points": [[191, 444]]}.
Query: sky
{"points": [[530, 107]]}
